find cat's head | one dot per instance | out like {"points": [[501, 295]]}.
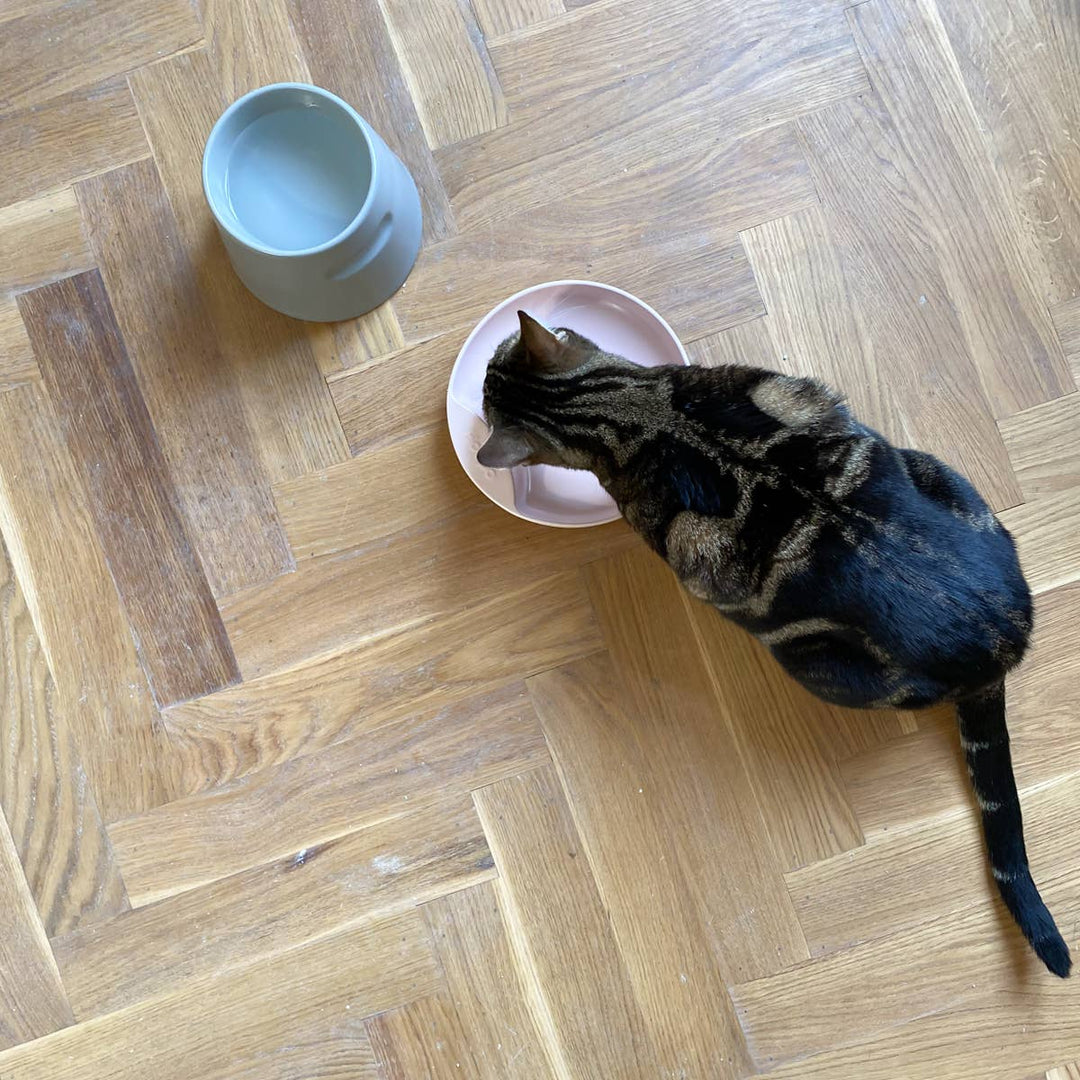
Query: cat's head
{"points": [[522, 394]]}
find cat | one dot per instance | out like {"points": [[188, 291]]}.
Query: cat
{"points": [[878, 577]]}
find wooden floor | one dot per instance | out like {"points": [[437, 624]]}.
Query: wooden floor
{"points": [[313, 764]]}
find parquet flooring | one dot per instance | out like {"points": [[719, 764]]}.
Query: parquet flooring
{"points": [[315, 765]]}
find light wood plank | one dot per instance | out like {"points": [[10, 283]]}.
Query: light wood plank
{"points": [[1066, 318], [984, 265], [749, 343], [396, 396], [505, 16], [41, 239], [486, 986], [422, 1039], [77, 612], [327, 1051], [658, 925], [707, 798], [188, 387], [180, 638], [289, 409], [267, 721], [321, 889], [355, 58], [45, 53], [69, 137], [221, 1026], [45, 798], [1043, 446], [583, 1000], [17, 363], [1047, 535], [406, 485], [32, 999], [1065, 1072], [446, 63], [311, 800]]}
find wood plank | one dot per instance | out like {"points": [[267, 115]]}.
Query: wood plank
{"points": [[17, 363], [1047, 535], [486, 985], [32, 999], [395, 396], [69, 137], [41, 239], [505, 16], [1043, 447], [1066, 318], [289, 410], [340, 346], [582, 998], [433, 753], [44, 795], [1017, 64], [181, 640], [328, 1051], [50, 52], [1017, 356], [748, 343], [706, 798], [406, 485], [422, 1039], [270, 720], [1065, 1072], [694, 203], [446, 63], [776, 61], [222, 1025], [76, 611], [355, 59], [319, 890], [658, 924], [189, 389], [361, 595]]}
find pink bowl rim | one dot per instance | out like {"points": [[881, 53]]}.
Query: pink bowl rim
{"points": [[515, 298]]}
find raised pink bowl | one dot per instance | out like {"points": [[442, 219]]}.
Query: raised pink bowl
{"points": [[617, 322]]}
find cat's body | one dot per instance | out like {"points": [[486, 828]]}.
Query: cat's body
{"points": [[878, 577]]}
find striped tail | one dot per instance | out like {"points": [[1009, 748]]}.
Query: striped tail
{"points": [[985, 740]]}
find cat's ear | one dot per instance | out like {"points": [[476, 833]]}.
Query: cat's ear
{"points": [[505, 448], [543, 349]]}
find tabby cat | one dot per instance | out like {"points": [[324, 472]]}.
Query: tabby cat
{"points": [[877, 577]]}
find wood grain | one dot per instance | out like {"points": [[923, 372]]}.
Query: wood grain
{"points": [[76, 610], [41, 239], [486, 986], [1017, 356], [17, 363], [289, 410], [314, 799], [355, 58], [180, 638], [446, 63], [505, 16], [749, 343], [359, 501], [1047, 538], [44, 53], [1042, 446], [32, 998], [69, 137], [189, 390], [583, 999], [322, 990], [709, 800], [1066, 318], [661, 930], [396, 396], [424, 1038], [50, 808], [321, 889]]}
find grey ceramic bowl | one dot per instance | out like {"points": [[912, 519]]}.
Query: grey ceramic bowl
{"points": [[320, 219]]}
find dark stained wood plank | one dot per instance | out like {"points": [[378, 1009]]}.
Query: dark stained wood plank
{"points": [[189, 389], [77, 614], [41, 239], [966, 214], [289, 409], [69, 137], [32, 999], [48, 52], [355, 58], [44, 794], [179, 634]]}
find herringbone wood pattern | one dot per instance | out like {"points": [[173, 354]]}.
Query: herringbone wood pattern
{"points": [[313, 764]]}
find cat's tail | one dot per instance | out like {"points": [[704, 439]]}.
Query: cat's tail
{"points": [[985, 740]]}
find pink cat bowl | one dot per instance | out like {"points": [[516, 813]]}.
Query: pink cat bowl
{"points": [[618, 323]]}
